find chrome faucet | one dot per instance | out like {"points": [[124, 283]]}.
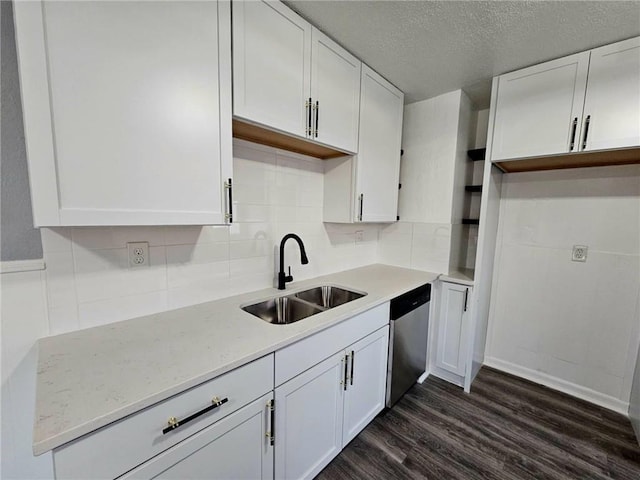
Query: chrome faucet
{"points": [[282, 278]]}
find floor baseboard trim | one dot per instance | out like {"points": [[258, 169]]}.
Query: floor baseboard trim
{"points": [[563, 386]]}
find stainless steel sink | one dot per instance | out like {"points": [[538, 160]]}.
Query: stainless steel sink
{"points": [[282, 310], [300, 305], [329, 296]]}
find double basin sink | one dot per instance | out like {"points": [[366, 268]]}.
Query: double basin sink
{"points": [[300, 305]]}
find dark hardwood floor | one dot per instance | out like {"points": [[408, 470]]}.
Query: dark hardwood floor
{"points": [[507, 428]]}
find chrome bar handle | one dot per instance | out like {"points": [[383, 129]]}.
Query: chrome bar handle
{"points": [[309, 106], [361, 204], [229, 186], [271, 406], [574, 126], [353, 358], [346, 366], [174, 423], [315, 129], [586, 131], [466, 297]]}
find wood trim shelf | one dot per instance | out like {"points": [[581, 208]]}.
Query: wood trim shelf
{"points": [[477, 154], [598, 158], [264, 136]]}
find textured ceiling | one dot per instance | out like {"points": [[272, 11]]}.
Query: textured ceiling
{"points": [[431, 47]]}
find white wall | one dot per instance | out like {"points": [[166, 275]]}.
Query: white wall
{"points": [[23, 317], [90, 283], [634, 402], [573, 326]]}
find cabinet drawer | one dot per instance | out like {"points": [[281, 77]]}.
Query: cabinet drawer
{"points": [[121, 446], [295, 359]]}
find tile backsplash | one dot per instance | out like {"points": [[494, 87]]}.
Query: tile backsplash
{"points": [[89, 282]]}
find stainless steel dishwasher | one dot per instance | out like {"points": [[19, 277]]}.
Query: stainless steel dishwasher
{"points": [[408, 333]]}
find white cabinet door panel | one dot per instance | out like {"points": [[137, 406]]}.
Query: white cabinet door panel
{"points": [[236, 448], [132, 90], [537, 108], [335, 86], [378, 160], [366, 388], [452, 327], [309, 420], [271, 65], [613, 96]]}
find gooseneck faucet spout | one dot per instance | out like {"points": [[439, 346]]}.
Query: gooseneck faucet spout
{"points": [[282, 278]]}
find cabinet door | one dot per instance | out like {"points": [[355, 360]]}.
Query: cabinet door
{"points": [[453, 322], [309, 419], [366, 385], [271, 65], [335, 93], [538, 107], [378, 160], [612, 104], [123, 116], [236, 447]]}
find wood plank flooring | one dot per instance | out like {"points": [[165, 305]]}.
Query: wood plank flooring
{"points": [[507, 428]]}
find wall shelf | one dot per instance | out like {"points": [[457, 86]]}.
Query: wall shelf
{"points": [[477, 154]]}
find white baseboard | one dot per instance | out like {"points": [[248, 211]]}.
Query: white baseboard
{"points": [[423, 377], [563, 386], [21, 266]]}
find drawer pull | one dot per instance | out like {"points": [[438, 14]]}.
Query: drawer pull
{"points": [[175, 423]]}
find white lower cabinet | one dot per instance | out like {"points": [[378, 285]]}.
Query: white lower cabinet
{"points": [[453, 328], [236, 447], [324, 408]]}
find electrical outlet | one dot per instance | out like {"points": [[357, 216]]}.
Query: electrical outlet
{"points": [[359, 236], [579, 253], [138, 254]]}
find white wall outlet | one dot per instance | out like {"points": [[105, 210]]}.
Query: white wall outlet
{"points": [[579, 253], [138, 254], [359, 236]]}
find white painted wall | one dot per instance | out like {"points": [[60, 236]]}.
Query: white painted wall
{"points": [[573, 326], [634, 402], [23, 317]]}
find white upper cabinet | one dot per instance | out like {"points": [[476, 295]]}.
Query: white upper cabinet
{"points": [[612, 104], [584, 102], [127, 111], [539, 109], [271, 66], [335, 93], [378, 159], [290, 77]]}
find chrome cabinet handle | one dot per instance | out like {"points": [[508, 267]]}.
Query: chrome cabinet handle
{"points": [[175, 423], [346, 366], [353, 359], [586, 131], [229, 186], [317, 108], [309, 105], [361, 204], [574, 126], [271, 405]]}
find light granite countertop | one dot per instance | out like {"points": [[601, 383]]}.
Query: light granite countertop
{"points": [[90, 378]]}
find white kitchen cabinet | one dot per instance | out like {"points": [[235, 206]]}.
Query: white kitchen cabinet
{"points": [[366, 389], [364, 188], [324, 408], [453, 328], [539, 109], [271, 66], [290, 77], [581, 103], [309, 419], [612, 102], [237, 447], [127, 111]]}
